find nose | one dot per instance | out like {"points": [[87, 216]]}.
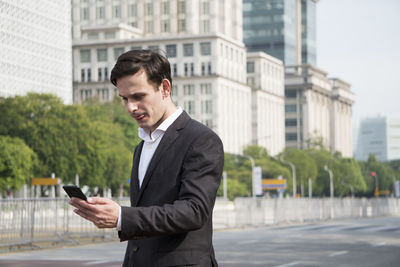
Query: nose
{"points": [[131, 106]]}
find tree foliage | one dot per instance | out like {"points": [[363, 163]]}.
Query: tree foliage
{"points": [[95, 141]]}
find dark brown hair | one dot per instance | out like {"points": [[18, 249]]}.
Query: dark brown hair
{"points": [[155, 65]]}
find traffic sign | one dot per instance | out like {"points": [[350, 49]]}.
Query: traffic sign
{"points": [[44, 181], [273, 184]]}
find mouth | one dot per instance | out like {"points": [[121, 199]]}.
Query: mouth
{"points": [[138, 117]]}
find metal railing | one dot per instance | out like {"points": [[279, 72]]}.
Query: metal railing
{"points": [[28, 222]]}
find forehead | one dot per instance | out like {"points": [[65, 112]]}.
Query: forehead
{"points": [[135, 82]]}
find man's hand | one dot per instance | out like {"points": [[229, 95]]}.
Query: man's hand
{"points": [[102, 212]]}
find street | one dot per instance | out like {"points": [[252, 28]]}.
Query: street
{"points": [[346, 243]]}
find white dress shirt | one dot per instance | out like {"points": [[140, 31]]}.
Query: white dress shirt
{"points": [[151, 142]]}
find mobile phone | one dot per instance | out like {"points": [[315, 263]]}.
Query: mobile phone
{"points": [[74, 191]]}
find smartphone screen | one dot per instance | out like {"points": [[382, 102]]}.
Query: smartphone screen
{"points": [[74, 191]]}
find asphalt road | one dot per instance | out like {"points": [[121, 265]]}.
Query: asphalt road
{"points": [[348, 243]]}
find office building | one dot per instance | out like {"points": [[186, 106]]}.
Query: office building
{"points": [[202, 40], [265, 75], [316, 106], [35, 48], [285, 29], [379, 136]]}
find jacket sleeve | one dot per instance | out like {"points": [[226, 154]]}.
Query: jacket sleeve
{"points": [[201, 177]]}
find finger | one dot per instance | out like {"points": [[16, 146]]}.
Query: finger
{"points": [[98, 200], [85, 216]]}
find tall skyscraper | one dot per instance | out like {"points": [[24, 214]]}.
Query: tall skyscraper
{"points": [[35, 48], [285, 29], [379, 136]]}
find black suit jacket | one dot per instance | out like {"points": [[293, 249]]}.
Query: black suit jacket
{"points": [[169, 222]]}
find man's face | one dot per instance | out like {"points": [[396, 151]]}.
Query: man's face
{"points": [[143, 102]]}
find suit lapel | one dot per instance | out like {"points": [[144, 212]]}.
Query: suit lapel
{"points": [[169, 137], [134, 186]]}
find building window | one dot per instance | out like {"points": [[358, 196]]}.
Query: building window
{"points": [[102, 93], [209, 68], [136, 47], [171, 50], [174, 70], [132, 10], [82, 75], [116, 12], [106, 74], [101, 54], [149, 26], [164, 8], [181, 7], [93, 36], [250, 67], [174, 90], [117, 52], [292, 108], [85, 13], [191, 69], [205, 89], [100, 12], [188, 89], [204, 8], [86, 94], [148, 9], [290, 122], [205, 49], [109, 35], [291, 136], [206, 106], [85, 56], [186, 69], [203, 68], [204, 26], [188, 50], [250, 81], [290, 93], [154, 48], [165, 25], [100, 74], [89, 75], [189, 106], [182, 25]]}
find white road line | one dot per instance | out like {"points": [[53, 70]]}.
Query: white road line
{"points": [[247, 242], [96, 262], [338, 253], [379, 244], [288, 264]]}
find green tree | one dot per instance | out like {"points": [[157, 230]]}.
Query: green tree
{"points": [[17, 163]]}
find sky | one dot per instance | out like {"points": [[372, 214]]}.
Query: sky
{"points": [[358, 41]]}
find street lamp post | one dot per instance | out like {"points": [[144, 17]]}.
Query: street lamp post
{"points": [[293, 174], [252, 174], [330, 178]]}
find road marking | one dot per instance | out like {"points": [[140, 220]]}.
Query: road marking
{"points": [[96, 262], [288, 264], [247, 242], [379, 244], [338, 253]]}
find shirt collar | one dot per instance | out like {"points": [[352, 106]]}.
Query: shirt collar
{"points": [[145, 134]]}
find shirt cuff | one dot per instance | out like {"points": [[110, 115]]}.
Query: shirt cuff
{"points": [[119, 220]]}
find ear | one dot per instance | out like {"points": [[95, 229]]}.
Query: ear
{"points": [[166, 88]]}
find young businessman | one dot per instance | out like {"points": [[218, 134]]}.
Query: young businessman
{"points": [[175, 175]]}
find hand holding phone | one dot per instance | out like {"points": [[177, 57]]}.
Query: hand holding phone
{"points": [[74, 191]]}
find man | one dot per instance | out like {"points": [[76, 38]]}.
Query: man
{"points": [[175, 175]]}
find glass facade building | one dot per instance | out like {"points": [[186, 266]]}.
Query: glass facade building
{"points": [[284, 29]]}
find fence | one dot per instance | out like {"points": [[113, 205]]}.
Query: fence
{"points": [[29, 222], [256, 212]]}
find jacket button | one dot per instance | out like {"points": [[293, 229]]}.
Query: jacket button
{"points": [[135, 248]]}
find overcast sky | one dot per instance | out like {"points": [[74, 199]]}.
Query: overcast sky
{"points": [[359, 42]]}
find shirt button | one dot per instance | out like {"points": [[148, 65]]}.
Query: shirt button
{"points": [[135, 248]]}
